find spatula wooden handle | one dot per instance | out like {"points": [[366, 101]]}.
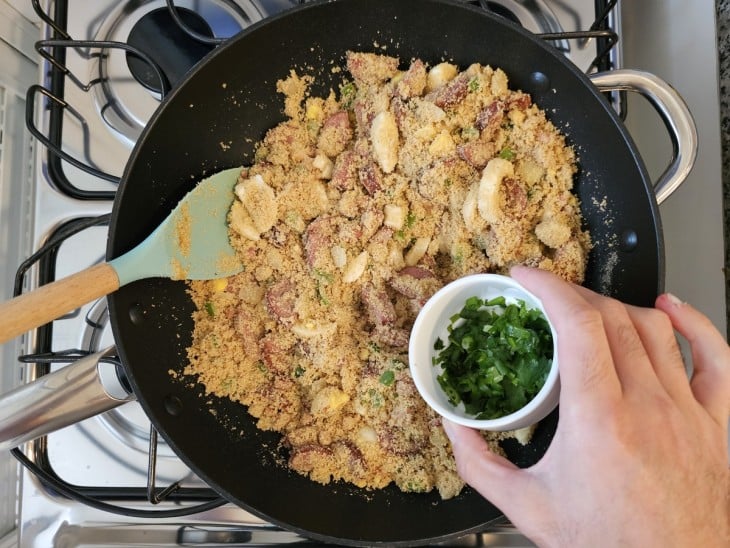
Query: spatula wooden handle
{"points": [[55, 299]]}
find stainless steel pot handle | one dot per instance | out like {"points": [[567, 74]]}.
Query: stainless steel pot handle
{"points": [[674, 113], [69, 395]]}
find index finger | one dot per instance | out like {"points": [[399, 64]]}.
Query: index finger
{"points": [[587, 374]]}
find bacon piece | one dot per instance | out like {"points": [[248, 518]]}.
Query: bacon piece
{"points": [[490, 118], [477, 153], [414, 81], [409, 282], [308, 457], [344, 172], [364, 115], [377, 303], [451, 93], [415, 283], [335, 134], [317, 241], [370, 68], [389, 335], [399, 108], [515, 196], [370, 177], [417, 272], [250, 330], [281, 299], [276, 354], [519, 101]]}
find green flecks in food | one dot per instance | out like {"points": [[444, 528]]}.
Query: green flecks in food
{"points": [[387, 378]]}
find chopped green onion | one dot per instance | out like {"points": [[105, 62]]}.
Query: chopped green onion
{"points": [[347, 94], [507, 154], [496, 358], [469, 133], [387, 378], [410, 220]]}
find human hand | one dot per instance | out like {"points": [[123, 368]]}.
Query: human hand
{"points": [[640, 455]]}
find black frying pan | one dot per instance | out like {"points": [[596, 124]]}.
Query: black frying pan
{"points": [[230, 98]]}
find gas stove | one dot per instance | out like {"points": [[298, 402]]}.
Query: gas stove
{"points": [[106, 66]]}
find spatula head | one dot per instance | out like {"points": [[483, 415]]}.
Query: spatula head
{"points": [[192, 242], [199, 230]]}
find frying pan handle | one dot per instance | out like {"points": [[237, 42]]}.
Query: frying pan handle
{"points": [[674, 113], [69, 395]]}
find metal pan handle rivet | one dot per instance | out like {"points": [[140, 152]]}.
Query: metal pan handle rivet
{"points": [[539, 81], [136, 314], [629, 240], [173, 405], [674, 113]]}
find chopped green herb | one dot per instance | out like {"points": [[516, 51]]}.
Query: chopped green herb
{"points": [[458, 254], [210, 308], [507, 154], [322, 295], [347, 94], [323, 274], [469, 133], [387, 378], [313, 127], [410, 220], [323, 278], [375, 398], [473, 85], [298, 371], [497, 357]]}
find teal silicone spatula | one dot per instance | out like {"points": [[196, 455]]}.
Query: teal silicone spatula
{"points": [[191, 243]]}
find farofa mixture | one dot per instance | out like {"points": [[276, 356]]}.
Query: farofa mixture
{"points": [[356, 209]]}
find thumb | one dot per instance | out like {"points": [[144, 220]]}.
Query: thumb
{"points": [[505, 485]]}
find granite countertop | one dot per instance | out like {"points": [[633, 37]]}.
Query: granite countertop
{"points": [[723, 47]]}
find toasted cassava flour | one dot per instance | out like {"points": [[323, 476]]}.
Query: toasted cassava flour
{"points": [[356, 209]]}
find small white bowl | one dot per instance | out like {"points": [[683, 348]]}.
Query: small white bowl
{"points": [[432, 323]]}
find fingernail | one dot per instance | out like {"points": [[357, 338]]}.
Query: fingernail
{"points": [[676, 301]]}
